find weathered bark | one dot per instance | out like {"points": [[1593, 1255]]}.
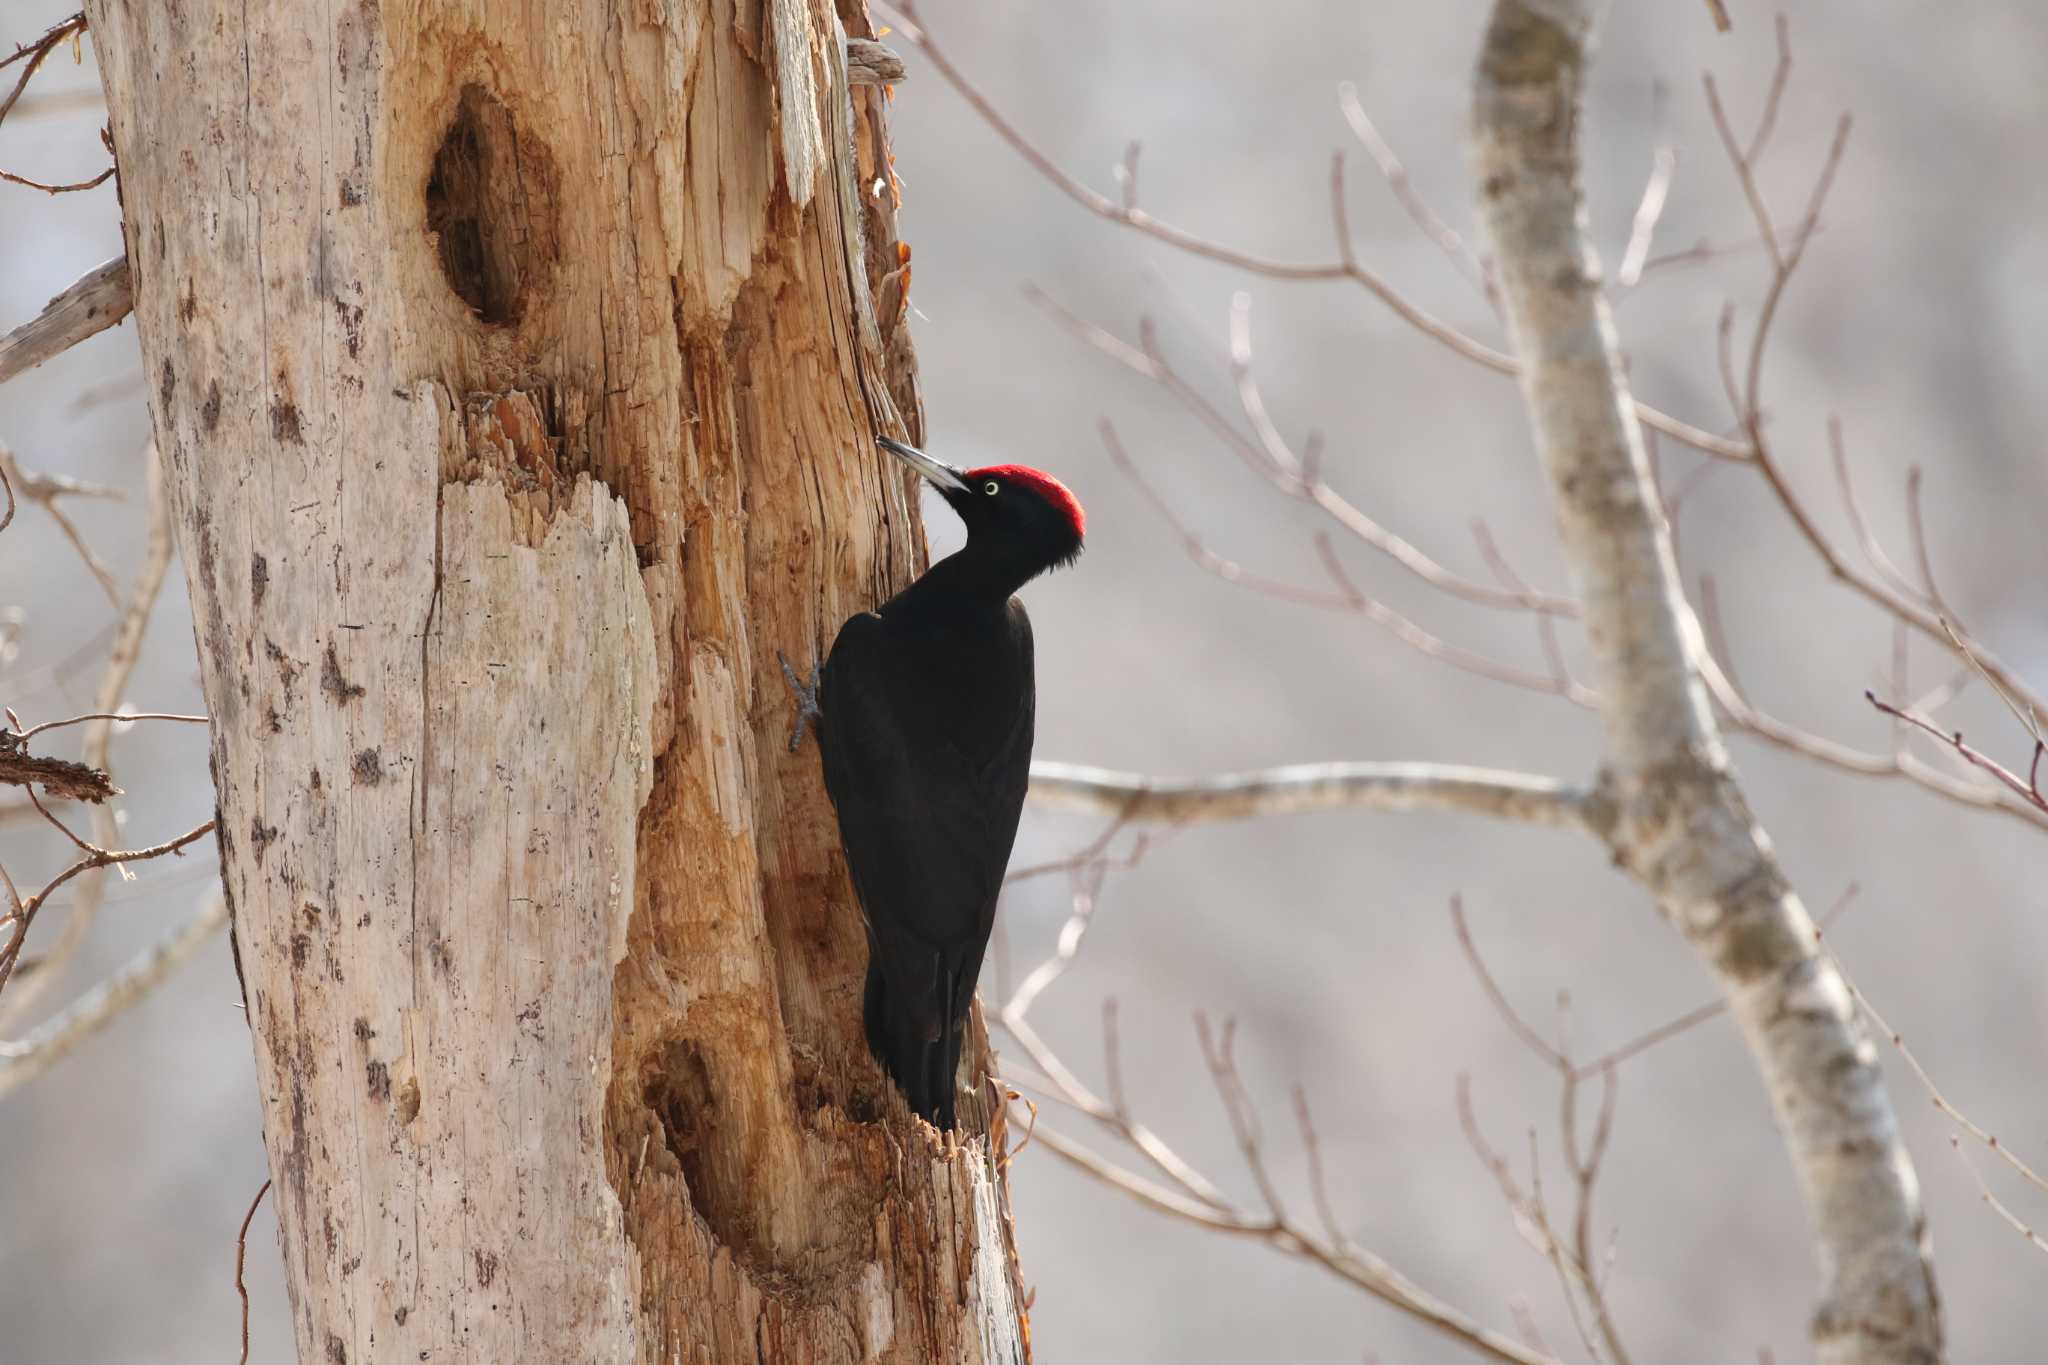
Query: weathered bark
{"points": [[516, 369], [1679, 821]]}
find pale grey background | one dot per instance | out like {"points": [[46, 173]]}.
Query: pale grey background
{"points": [[1919, 319]]}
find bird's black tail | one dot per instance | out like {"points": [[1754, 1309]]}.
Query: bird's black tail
{"points": [[918, 1046]]}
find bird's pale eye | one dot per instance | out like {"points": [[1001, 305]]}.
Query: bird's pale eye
{"points": [[991, 487]]}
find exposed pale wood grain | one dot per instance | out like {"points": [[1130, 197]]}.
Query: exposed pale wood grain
{"points": [[517, 380]]}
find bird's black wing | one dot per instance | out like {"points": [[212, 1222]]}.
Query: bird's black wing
{"points": [[929, 785]]}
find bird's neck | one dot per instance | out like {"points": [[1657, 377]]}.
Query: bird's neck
{"points": [[972, 576]]}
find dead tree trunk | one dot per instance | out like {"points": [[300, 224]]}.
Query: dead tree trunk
{"points": [[515, 367]]}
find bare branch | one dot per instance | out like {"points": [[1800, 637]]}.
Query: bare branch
{"points": [[117, 716], [241, 1255], [1396, 175], [44, 490], [1636, 256], [1578, 1274], [1354, 1266], [1529, 1037], [97, 300], [1748, 181], [70, 187], [23, 916], [2026, 788], [1954, 1115], [1532, 1217], [1927, 620], [1272, 459], [1197, 1199], [1306, 787], [50, 1042], [1137, 219], [1343, 512], [1872, 549], [1767, 121], [1767, 727], [1346, 597], [123, 654], [32, 55], [1992, 1201]]}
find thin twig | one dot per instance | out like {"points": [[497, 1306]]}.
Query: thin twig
{"points": [[1767, 121], [1302, 484], [1954, 1115], [1424, 217], [2026, 788], [1268, 455], [27, 906], [118, 716], [24, 1059], [1636, 256], [1193, 1196], [1992, 1201], [71, 188], [914, 31], [122, 657], [1347, 597], [1748, 181], [34, 53], [241, 1256], [1929, 622], [1873, 550], [1528, 1036]]}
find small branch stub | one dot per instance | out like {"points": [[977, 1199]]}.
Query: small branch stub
{"points": [[871, 63], [96, 301]]}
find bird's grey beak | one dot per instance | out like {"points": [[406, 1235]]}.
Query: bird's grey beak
{"points": [[941, 474]]}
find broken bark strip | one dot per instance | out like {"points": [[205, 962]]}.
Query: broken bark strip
{"points": [[517, 377], [59, 777]]}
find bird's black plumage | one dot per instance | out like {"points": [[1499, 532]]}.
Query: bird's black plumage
{"points": [[926, 717]]}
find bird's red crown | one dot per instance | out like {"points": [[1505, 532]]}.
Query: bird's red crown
{"points": [[1041, 483]]}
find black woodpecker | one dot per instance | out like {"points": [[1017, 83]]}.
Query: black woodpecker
{"points": [[924, 710]]}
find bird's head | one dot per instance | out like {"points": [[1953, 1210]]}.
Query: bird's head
{"points": [[1011, 511]]}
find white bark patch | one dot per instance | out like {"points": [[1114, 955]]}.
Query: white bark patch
{"points": [[538, 695], [796, 89], [878, 1322], [989, 1281], [1822, 994]]}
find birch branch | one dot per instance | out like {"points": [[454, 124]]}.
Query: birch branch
{"points": [[1305, 787], [95, 301], [1680, 823]]}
